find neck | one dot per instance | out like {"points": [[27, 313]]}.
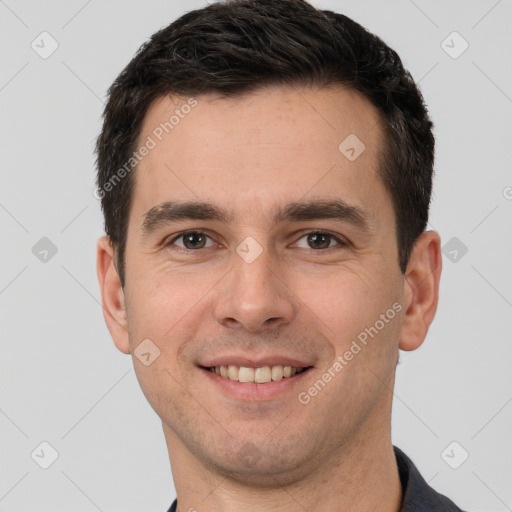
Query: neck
{"points": [[359, 476]]}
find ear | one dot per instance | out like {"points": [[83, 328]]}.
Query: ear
{"points": [[421, 290], [112, 295]]}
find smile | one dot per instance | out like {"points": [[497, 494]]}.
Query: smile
{"points": [[259, 375]]}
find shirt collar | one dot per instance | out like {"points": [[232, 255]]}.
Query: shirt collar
{"points": [[417, 495]]}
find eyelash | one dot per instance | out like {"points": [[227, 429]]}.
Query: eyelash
{"points": [[341, 243]]}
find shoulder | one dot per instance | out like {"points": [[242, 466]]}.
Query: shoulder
{"points": [[418, 496]]}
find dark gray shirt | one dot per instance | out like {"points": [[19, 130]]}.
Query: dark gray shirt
{"points": [[418, 496]]}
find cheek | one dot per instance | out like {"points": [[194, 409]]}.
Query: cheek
{"points": [[160, 300], [343, 299], [160, 386], [354, 307]]}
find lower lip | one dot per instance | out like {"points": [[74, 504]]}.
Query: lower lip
{"points": [[253, 392]]}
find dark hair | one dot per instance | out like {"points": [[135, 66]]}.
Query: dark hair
{"points": [[238, 46]]}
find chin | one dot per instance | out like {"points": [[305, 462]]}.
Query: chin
{"points": [[269, 466]]}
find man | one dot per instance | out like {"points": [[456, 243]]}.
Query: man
{"points": [[265, 170]]}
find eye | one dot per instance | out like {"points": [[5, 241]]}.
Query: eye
{"points": [[321, 240], [190, 240], [194, 240]]}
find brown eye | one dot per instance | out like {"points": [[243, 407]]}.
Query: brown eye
{"points": [[194, 240], [319, 240], [190, 240]]}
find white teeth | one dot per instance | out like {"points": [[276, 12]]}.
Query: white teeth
{"points": [[262, 374], [259, 375], [246, 374], [233, 372], [277, 372]]}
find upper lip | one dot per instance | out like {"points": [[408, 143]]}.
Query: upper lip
{"points": [[255, 361]]}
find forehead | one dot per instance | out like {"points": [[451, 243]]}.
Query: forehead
{"points": [[252, 151]]}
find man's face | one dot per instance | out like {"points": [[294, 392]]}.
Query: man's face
{"points": [[259, 287]]}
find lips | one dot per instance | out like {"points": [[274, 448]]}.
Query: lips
{"points": [[255, 385], [254, 378]]}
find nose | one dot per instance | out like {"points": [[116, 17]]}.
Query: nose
{"points": [[254, 296]]}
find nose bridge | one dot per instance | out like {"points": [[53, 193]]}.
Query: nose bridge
{"points": [[254, 295]]}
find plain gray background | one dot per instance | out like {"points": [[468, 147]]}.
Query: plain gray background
{"points": [[61, 379]]}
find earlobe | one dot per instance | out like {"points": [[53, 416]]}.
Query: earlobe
{"points": [[421, 290], [112, 295]]}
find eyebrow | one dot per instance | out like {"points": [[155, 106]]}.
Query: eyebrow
{"points": [[338, 209]]}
